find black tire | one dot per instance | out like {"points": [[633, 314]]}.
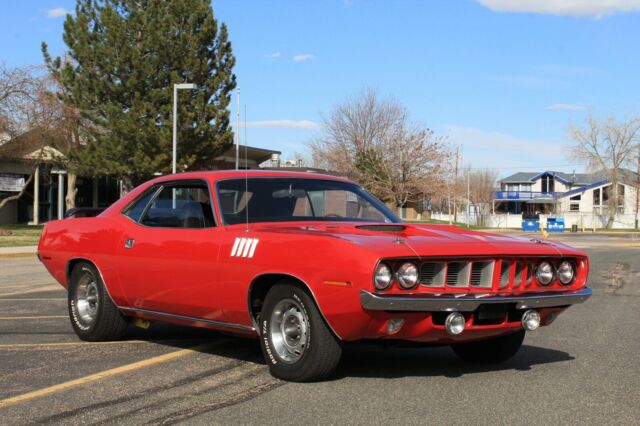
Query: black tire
{"points": [[491, 351], [93, 322], [321, 350]]}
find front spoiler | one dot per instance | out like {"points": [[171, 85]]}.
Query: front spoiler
{"points": [[466, 303]]}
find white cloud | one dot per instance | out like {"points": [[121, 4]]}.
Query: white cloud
{"points": [[304, 57], [566, 107], [286, 124], [579, 8], [272, 56], [508, 153], [57, 12]]}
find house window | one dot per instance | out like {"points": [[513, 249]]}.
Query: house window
{"points": [[547, 184], [574, 203], [525, 187], [597, 202]]}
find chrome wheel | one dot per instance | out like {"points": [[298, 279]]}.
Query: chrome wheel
{"points": [[87, 299], [289, 328]]}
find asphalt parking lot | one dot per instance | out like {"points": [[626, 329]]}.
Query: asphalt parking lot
{"points": [[584, 368]]}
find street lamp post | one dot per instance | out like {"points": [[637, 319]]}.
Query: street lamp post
{"points": [[177, 87]]}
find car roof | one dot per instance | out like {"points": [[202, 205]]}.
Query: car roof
{"points": [[216, 175]]}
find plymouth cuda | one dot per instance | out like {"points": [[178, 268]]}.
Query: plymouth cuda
{"points": [[304, 262]]}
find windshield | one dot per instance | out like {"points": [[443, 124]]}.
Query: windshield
{"points": [[293, 199]]}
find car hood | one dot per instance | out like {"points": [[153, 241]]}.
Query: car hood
{"points": [[403, 240]]}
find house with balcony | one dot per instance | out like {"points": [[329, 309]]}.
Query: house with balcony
{"points": [[558, 193]]}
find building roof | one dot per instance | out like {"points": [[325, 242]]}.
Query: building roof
{"points": [[35, 144], [259, 155], [571, 178]]}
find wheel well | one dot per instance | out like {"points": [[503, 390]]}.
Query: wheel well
{"points": [[72, 264], [261, 286]]}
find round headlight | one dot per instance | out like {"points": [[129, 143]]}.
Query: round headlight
{"points": [[566, 273], [544, 273], [383, 276], [408, 275]]}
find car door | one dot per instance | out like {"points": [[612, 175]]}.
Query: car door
{"points": [[169, 251]]}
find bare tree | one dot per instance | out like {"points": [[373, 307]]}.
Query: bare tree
{"points": [[372, 141], [19, 93], [24, 106], [607, 145], [482, 184]]}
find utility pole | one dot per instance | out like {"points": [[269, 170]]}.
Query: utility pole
{"points": [[238, 133], [455, 186], [638, 186], [176, 87], [468, 198]]}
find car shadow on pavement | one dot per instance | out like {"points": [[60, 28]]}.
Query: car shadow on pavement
{"points": [[375, 361], [201, 340], [366, 359]]}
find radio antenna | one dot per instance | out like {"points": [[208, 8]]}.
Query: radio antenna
{"points": [[246, 169]]}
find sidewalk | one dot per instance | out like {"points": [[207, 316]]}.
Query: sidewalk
{"points": [[23, 251]]}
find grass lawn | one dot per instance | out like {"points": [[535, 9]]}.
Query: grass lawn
{"points": [[444, 222], [19, 235]]}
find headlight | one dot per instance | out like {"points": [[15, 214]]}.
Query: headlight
{"points": [[408, 275], [544, 273], [383, 277], [566, 273]]}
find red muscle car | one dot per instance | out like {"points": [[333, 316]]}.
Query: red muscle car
{"points": [[305, 262]]}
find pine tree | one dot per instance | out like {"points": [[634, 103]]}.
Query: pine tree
{"points": [[125, 57]]}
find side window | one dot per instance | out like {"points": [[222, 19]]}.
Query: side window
{"points": [[180, 206], [135, 210]]}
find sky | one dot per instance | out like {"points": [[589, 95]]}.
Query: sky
{"points": [[501, 79]]}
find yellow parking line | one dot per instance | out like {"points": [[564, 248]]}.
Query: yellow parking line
{"points": [[82, 343], [35, 299], [32, 318], [97, 376]]}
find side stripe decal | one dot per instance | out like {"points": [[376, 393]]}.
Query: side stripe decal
{"points": [[244, 247]]}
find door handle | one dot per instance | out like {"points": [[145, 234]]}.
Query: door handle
{"points": [[129, 243]]}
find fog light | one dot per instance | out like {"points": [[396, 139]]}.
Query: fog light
{"points": [[454, 324], [531, 320], [394, 325]]}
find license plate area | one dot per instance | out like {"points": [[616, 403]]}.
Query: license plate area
{"points": [[491, 313]]}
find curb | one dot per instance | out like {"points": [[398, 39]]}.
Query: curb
{"points": [[21, 254]]}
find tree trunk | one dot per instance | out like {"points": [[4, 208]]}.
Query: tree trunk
{"points": [[6, 200], [72, 190]]}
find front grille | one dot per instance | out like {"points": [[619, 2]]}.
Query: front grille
{"points": [[457, 274], [478, 274], [432, 274], [505, 273]]}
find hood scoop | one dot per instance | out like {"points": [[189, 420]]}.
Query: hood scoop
{"points": [[382, 228]]}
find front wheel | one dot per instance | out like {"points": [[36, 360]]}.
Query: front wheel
{"points": [[93, 315], [495, 350], [297, 344]]}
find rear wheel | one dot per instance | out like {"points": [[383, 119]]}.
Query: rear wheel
{"points": [[93, 315], [296, 343], [496, 350]]}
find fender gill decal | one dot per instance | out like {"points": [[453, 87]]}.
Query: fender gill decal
{"points": [[244, 247]]}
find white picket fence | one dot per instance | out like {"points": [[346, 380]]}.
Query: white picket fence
{"points": [[506, 220]]}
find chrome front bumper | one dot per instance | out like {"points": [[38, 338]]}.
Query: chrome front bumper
{"points": [[468, 303]]}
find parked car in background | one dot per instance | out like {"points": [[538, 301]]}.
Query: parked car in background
{"points": [[304, 262]]}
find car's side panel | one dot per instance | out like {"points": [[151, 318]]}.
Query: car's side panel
{"points": [[92, 239], [333, 270], [172, 270]]}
